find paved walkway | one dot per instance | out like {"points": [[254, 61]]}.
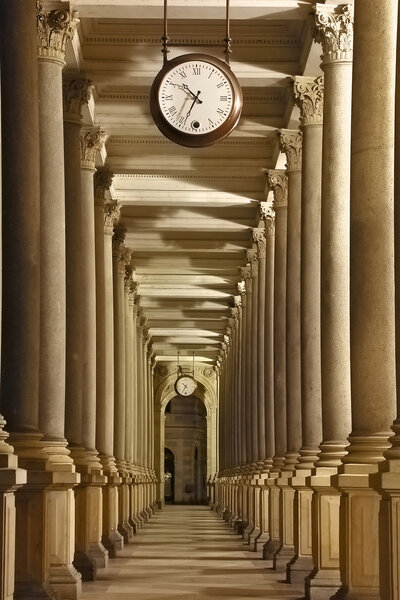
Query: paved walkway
{"points": [[188, 553]]}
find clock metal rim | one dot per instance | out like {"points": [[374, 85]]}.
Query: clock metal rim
{"points": [[198, 140], [185, 375]]}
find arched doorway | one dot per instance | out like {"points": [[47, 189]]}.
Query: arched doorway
{"points": [[186, 440], [169, 475]]}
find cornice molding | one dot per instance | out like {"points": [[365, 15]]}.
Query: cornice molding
{"points": [[134, 96], [158, 141], [126, 39]]}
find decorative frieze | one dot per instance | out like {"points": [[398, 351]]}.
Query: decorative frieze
{"points": [[333, 29], [54, 29], [92, 140], [291, 143], [309, 97], [76, 93], [277, 181]]}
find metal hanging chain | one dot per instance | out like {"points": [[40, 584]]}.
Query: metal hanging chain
{"points": [[193, 365], [227, 43]]}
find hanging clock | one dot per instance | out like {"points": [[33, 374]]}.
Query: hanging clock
{"points": [[185, 385], [196, 100]]}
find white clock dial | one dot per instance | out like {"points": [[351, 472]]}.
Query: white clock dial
{"points": [[185, 386], [195, 97]]}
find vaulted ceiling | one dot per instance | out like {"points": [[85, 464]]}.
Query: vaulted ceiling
{"points": [[189, 213]]}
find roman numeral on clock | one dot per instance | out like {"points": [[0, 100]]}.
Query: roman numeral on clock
{"points": [[172, 110], [196, 70], [223, 98], [220, 111], [168, 97], [220, 84]]}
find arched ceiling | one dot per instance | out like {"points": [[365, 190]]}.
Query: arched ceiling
{"points": [[189, 212]]}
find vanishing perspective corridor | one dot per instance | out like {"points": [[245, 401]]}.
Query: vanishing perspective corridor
{"points": [[188, 552]]}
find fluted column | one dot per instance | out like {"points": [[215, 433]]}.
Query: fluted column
{"points": [[372, 331], [309, 97], [334, 29], [106, 212], [291, 145], [277, 182], [54, 29]]}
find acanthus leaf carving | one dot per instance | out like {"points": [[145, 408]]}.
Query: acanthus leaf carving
{"points": [[333, 29], [92, 140], [102, 182], [278, 182], [112, 211], [118, 238], [76, 93], [54, 29], [260, 241], [291, 143], [309, 97], [268, 216]]}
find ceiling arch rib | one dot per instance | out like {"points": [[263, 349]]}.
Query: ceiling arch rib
{"points": [[189, 212]]}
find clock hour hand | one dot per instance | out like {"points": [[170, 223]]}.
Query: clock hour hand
{"points": [[194, 95], [193, 103]]}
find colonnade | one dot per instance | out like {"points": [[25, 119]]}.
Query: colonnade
{"points": [[309, 465], [77, 471]]}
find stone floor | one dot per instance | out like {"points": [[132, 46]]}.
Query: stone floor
{"points": [[188, 553]]}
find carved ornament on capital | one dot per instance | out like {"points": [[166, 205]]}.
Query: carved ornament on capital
{"points": [[291, 143], [54, 29], [124, 260], [260, 241], [309, 97], [277, 181], [112, 211], [92, 141], [118, 239], [76, 93], [252, 258], [103, 179], [334, 30]]}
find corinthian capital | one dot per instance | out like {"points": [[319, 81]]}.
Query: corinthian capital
{"points": [[309, 97], [291, 142], [102, 182], [245, 273], [260, 241], [277, 181], [112, 211], [76, 93], [334, 31], [268, 216], [118, 239], [252, 257], [54, 28], [124, 260], [92, 141]]}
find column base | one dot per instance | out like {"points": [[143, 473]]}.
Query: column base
{"points": [[65, 582], [299, 568], [322, 585], [253, 536], [260, 541], [270, 548], [30, 591], [85, 565], [113, 542], [283, 557]]}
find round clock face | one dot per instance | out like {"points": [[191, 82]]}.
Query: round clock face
{"points": [[185, 385], [196, 100]]}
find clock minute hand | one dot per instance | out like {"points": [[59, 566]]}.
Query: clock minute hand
{"points": [[193, 103], [194, 96]]}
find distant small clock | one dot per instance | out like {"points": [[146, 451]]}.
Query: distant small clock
{"points": [[196, 100], [185, 385]]}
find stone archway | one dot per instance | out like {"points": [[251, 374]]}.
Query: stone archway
{"points": [[164, 391]]}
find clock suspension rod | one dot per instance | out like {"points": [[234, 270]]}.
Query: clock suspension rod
{"points": [[227, 43]]}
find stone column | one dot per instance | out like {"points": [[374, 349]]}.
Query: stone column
{"points": [[121, 259], [21, 259], [387, 481], [291, 145], [54, 28], [81, 403], [277, 182], [267, 215], [334, 29], [106, 212], [309, 97], [372, 310]]}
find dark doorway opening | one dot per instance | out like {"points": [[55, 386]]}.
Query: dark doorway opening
{"points": [[169, 475]]}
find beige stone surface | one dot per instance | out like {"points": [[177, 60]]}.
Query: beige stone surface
{"points": [[186, 553]]}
